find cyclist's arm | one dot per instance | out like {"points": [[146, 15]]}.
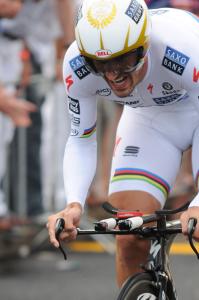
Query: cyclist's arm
{"points": [[80, 153]]}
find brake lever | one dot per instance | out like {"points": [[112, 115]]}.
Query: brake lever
{"points": [[59, 227], [191, 228]]}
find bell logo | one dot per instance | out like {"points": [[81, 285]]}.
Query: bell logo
{"points": [[147, 296], [103, 53], [195, 75]]}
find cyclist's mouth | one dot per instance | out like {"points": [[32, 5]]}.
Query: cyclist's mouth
{"points": [[120, 83]]}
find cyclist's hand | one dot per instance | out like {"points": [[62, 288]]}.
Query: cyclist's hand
{"points": [[191, 212], [71, 215]]}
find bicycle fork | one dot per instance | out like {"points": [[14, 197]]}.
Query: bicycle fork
{"points": [[158, 264]]}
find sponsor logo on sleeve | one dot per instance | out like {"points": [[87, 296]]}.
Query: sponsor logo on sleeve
{"points": [[69, 82], [74, 132], [195, 75], [135, 11], [78, 66], [74, 105], [75, 120], [175, 61]]}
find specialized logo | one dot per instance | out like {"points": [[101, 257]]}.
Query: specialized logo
{"points": [[118, 140], [175, 61], [78, 66], [74, 105], [135, 11], [131, 151], [195, 75], [146, 296], [167, 86], [101, 13], [69, 82], [150, 88], [104, 92], [167, 99]]}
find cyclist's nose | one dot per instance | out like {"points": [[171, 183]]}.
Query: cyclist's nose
{"points": [[112, 75]]}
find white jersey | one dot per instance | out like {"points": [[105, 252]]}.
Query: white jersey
{"points": [[172, 79]]}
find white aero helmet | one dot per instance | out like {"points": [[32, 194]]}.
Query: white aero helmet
{"points": [[109, 28]]}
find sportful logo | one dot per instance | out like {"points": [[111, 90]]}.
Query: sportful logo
{"points": [[147, 296], [134, 11], [131, 151], [78, 66], [175, 61]]}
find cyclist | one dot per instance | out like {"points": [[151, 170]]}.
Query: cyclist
{"points": [[148, 62]]}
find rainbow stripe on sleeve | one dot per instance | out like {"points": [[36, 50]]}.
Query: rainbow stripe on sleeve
{"points": [[143, 175], [88, 132]]}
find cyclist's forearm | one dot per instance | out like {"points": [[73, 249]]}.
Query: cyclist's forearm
{"points": [[80, 161]]}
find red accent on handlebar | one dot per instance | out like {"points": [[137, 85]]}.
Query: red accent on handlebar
{"points": [[129, 214]]}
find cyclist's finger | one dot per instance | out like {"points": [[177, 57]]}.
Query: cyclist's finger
{"points": [[184, 222], [51, 232], [68, 235], [69, 225]]}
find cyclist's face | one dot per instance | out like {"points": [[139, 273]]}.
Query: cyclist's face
{"points": [[120, 73]]}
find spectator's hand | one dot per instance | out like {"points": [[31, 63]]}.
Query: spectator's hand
{"points": [[71, 215], [17, 109], [9, 9], [192, 212]]}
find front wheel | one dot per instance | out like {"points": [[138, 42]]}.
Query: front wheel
{"points": [[139, 287]]}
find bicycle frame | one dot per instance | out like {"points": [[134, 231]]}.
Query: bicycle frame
{"points": [[158, 262]]}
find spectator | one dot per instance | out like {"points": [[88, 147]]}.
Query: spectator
{"points": [[12, 109]]}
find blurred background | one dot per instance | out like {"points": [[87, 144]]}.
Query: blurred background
{"points": [[34, 126]]}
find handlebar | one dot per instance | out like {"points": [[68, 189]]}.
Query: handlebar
{"points": [[131, 222]]}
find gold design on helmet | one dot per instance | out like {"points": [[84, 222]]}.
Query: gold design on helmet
{"points": [[101, 41], [126, 44], [101, 13]]}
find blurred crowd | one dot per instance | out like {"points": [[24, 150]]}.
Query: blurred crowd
{"points": [[34, 125], [34, 35]]}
